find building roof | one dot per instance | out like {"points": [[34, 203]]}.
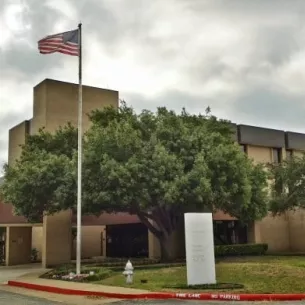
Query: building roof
{"points": [[51, 80]]}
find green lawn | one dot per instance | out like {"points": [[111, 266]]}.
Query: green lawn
{"points": [[265, 274]]}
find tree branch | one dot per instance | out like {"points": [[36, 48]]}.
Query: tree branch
{"points": [[147, 215], [148, 224]]}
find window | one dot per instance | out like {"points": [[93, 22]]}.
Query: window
{"points": [[277, 155], [277, 158], [228, 232]]}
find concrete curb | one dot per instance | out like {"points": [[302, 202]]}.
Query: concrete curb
{"points": [[159, 296]]}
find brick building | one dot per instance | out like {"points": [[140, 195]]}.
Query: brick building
{"points": [[55, 104]]}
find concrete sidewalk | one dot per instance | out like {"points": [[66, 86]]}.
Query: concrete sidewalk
{"points": [[30, 274], [32, 278], [53, 297], [12, 272]]}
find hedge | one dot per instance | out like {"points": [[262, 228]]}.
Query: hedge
{"points": [[240, 249], [217, 286]]}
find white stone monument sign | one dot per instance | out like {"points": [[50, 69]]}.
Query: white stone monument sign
{"points": [[199, 246]]}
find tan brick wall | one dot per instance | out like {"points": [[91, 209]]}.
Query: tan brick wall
{"points": [[275, 232], [17, 136], [18, 245], [92, 242], [39, 107], [285, 233], [220, 215], [57, 239], [37, 239], [254, 233], [296, 230], [62, 103], [55, 104]]}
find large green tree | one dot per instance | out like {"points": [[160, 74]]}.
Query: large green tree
{"points": [[288, 185], [155, 165], [42, 180], [160, 165]]}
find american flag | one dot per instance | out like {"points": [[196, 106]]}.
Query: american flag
{"points": [[66, 43]]}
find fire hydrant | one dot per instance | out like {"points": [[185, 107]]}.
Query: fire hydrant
{"points": [[128, 272]]}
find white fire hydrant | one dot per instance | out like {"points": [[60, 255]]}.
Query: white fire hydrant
{"points": [[128, 272]]}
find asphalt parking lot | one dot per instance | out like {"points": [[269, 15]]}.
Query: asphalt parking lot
{"points": [[8, 298]]}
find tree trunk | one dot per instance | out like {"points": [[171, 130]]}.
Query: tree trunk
{"points": [[168, 248], [162, 227]]}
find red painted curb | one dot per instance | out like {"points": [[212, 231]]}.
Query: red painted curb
{"points": [[169, 295]]}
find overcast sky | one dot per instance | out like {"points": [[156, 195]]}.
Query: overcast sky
{"points": [[245, 59]]}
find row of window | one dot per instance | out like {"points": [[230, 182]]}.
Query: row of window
{"points": [[277, 155]]}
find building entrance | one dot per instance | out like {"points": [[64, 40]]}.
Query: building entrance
{"points": [[127, 240]]}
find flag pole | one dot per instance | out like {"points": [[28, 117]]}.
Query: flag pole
{"points": [[79, 155]]}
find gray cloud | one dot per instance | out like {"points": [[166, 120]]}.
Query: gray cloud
{"points": [[27, 63], [116, 25], [14, 118], [254, 108], [258, 106], [230, 55], [276, 46], [3, 153], [259, 8], [174, 99], [6, 123], [21, 55]]}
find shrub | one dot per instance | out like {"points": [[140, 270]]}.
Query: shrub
{"points": [[34, 255], [100, 275], [150, 267], [240, 249], [218, 286]]}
